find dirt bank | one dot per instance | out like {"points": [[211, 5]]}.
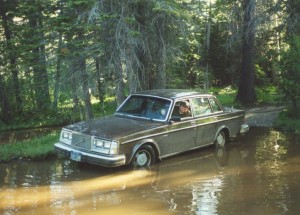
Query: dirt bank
{"points": [[262, 116]]}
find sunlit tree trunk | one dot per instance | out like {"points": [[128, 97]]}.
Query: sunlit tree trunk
{"points": [[119, 82], [100, 79], [57, 74], [81, 57], [246, 92], [160, 78], [59, 54], [84, 80]]}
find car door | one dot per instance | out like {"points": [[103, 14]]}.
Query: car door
{"points": [[182, 132], [205, 119]]}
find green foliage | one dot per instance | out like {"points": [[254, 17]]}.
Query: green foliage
{"points": [[38, 148], [265, 95], [69, 47], [192, 44], [225, 95], [63, 116], [107, 108], [287, 122], [290, 77], [170, 7], [268, 95], [261, 78]]}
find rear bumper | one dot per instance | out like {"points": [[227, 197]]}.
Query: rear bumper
{"points": [[244, 128], [86, 157]]}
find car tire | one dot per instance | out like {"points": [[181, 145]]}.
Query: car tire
{"points": [[220, 140], [143, 157]]}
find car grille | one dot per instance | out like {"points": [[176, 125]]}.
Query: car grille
{"points": [[81, 141]]}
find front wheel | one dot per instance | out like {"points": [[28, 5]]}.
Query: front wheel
{"points": [[220, 139], [143, 157]]}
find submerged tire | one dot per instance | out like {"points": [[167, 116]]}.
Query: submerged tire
{"points": [[220, 139], [143, 157]]}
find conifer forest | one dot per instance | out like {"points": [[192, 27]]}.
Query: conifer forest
{"points": [[64, 57]]}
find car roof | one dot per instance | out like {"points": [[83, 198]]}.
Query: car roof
{"points": [[171, 93]]}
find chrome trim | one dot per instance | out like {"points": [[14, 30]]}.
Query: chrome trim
{"points": [[244, 128], [226, 119], [118, 158], [181, 129], [147, 136]]}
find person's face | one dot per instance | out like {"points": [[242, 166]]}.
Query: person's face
{"points": [[183, 109]]}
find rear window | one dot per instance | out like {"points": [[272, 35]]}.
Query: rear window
{"points": [[201, 106]]}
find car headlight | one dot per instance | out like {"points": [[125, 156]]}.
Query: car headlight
{"points": [[65, 137], [104, 146]]}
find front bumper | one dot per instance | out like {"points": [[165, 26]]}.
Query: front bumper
{"points": [[244, 128], [81, 156]]}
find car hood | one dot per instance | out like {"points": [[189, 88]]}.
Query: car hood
{"points": [[113, 127]]}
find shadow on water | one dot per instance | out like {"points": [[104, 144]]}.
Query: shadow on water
{"points": [[256, 174]]}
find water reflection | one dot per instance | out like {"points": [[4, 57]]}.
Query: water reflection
{"points": [[258, 174], [273, 172]]}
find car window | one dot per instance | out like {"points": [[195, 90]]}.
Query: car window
{"points": [[201, 106], [215, 106], [182, 109], [132, 106], [146, 107]]}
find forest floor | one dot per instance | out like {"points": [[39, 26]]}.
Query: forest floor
{"points": [[262, 116]]}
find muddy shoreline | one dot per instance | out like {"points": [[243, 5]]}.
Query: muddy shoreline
{"points": [[263, 116]]}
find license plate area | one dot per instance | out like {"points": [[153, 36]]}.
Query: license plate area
{"points": [[75, 156]]}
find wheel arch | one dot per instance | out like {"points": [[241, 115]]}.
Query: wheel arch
{"points": [[149, 142], [226, 131]]}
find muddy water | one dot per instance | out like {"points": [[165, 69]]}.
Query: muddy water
{"points": [[257, 174]]}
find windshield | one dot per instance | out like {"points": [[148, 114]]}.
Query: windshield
{"points": [[145, 107]]}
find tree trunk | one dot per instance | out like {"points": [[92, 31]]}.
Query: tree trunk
{"points": [[246, 92], [100, 79], [74, 86], [58, 62], [85, 88], [38, 60], [293, 38], [57, 75], [12, 56], [207, 49], [143, 71], [119, 82], [4, 104], [160, 76]]}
